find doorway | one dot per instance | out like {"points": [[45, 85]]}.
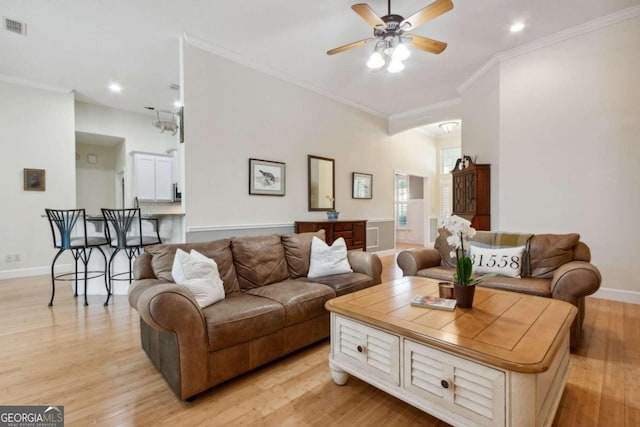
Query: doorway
{"points": [[412, 228]]}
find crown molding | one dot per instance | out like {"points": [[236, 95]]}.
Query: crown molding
{"points": [[424, 110], [567, 34], [242, 60], [433, 113], [34, 84]]}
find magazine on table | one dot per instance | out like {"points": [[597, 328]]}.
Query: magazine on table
{"points": [[434, 302]]}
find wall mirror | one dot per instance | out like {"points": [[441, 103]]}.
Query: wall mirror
{"points": [[321, 183]]}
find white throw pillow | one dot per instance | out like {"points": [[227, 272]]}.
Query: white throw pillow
{"points": [[328, 260], [200, 275], [501, 261]]}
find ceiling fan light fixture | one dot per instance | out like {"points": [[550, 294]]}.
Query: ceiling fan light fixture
{"points": [[401, 52], [449, 127], [395, 66], [375, 60]]}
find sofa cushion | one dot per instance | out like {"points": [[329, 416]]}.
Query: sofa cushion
{"points": [[540, 287], [219, 251], [297, 251], [301, 300], [328, 260], [445, 250], [240, 318], [344, 283], [525, 285], [259, 260], [199, 275], [547, 252], [438, 273]]}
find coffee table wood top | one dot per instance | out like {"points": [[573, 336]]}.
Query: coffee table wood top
{"points": [[513, 331]]}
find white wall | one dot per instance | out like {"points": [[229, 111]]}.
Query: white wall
{"points": [[481, 131], [38, 133], [136, 129], [95, 183], [233, 113], [568, 145]]}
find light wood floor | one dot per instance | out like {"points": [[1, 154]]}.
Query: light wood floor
{"points": [[89, 360]]}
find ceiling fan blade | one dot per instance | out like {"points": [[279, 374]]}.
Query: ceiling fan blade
{"points": [[365, 11], [434, 10], [428, 45], [347, 47]]}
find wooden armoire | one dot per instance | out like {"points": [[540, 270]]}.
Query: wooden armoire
{"points": [[472, 192]]}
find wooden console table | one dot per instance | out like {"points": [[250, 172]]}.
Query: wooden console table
{"points": [[354, 233], [503, 362]]}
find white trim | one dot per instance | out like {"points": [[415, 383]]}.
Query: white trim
{"points": [[33, 271], [427, 109], [242, 60], [34, 84], [578, 30], [200, 228], [479, 73], [386, 252], [632, 297], [369, 221]]}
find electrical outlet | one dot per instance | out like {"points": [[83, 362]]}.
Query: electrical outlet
{"points": [[8, 258], [17, 258]]}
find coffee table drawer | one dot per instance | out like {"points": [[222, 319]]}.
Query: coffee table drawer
{"points": [[467, 388], [366, 349]]}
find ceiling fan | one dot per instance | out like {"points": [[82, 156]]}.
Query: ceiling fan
{"points": [[391, 37]]}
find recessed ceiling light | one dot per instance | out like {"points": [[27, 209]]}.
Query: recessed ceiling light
{"points": [[115, 87], [177, 104], [518, 26]]}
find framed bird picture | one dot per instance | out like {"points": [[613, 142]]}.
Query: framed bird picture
{"points": [[266, 178]]}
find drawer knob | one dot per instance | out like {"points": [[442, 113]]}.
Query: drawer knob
{"points": [[360, 349], [444, 383]]}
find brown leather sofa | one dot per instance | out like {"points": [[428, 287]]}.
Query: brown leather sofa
{"points": [[270, 308], [555, 266]]}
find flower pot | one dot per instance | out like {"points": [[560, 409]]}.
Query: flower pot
{"points": [[332, 215], [464, 295]]}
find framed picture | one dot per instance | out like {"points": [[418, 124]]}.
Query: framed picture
{"points": [[34, 179], [266, 178], [362, 186]]}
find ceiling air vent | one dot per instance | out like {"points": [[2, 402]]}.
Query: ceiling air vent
{"points": [[174, 86], [15, 26]]}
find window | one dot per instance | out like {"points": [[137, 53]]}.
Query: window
{"points": [[448, 157], [402, 199]]}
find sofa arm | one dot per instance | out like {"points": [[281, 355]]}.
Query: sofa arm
{"points": [[413, 260], [366, 263], [574, 280], [169, 308]]}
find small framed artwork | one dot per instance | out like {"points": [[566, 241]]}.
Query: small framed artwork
{"points": [[34, 179], [362, 186], [266, 178]]}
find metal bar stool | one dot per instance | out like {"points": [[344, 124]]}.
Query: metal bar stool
{"points": [[123, 230], [69, 231]]}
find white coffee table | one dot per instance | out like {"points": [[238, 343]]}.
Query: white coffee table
{"points": [[503, 362]]}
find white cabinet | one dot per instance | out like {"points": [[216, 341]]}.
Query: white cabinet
{"points": [[153, 177]]}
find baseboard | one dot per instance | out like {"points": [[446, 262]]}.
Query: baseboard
{"points": [[33, 271], [632, 297]]}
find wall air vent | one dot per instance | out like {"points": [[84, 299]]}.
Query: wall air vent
{"points": [[15, 26]]}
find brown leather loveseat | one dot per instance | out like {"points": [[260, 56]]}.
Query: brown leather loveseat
{"points": [[270, 307], [555, 266]]}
